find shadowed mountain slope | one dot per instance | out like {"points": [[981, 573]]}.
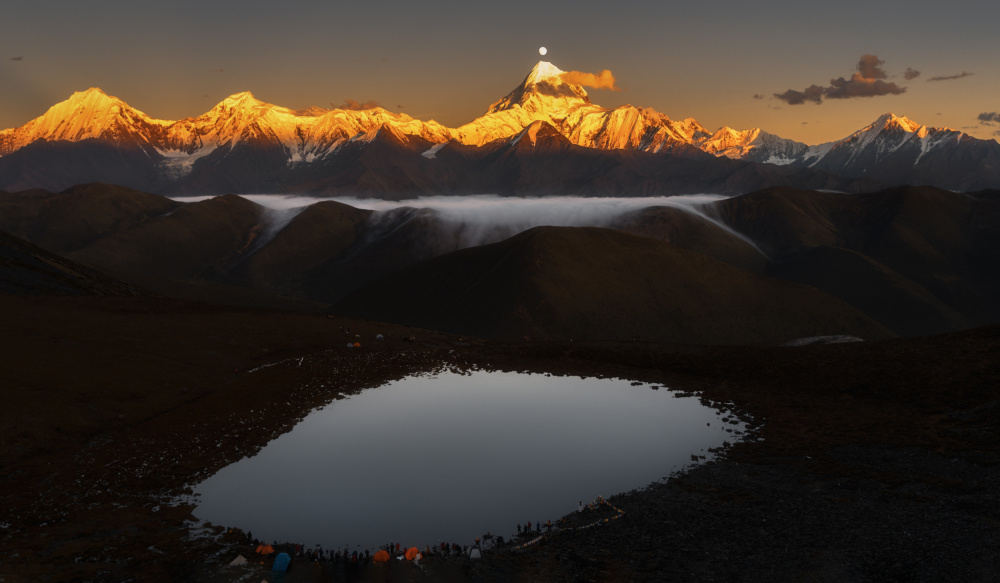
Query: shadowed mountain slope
{"points": [[27, 269], [897, 302], [201, 240], [916, 260], [948, 243], [592, 283], [74, 218], [291, 263], [692, 232]]}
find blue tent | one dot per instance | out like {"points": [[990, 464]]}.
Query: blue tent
{"points": [[281, 562]]}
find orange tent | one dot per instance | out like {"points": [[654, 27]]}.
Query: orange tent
{"points": [[382, 556], [411, 553], [264, 549], [357, 345]]}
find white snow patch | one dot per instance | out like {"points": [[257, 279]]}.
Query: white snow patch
{"points": [[778, 160], [818, 152], [302, 158], [432, 152], [178, 163]]}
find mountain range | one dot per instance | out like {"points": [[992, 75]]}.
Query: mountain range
{"points": [[769, 266], [544, 137]]}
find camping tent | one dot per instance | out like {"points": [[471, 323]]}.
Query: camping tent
{"points": [[239, 560], [474, 553], [382, 556], [281, 562], [264, 549], [411, 553]]}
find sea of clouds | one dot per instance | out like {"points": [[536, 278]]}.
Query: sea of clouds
{"points": [[482, 219]]}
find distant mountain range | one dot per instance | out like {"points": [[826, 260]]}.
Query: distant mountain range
{"points": [[544, 137]]}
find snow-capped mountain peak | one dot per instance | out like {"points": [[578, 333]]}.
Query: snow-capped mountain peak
{"points": [[239, 104], [544, 71], [891, 120], [753, 144], [84, 115], [542, 90], [92, 104]]}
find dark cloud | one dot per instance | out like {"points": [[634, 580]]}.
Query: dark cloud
{"points": [[17, 58], [990, 118], [910, 74], [399, 107], [805, 123], [867, 82], [354, 105], [758, 96], [812, 93], [858, 86], [950, 77], [218, 70], [870, 67]]}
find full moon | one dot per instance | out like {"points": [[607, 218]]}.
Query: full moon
{"points": [[542, 51]]}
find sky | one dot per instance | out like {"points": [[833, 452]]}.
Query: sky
{"points": [[783, 66]]}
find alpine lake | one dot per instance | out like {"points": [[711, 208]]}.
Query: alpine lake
{"points": [[448, 457]]}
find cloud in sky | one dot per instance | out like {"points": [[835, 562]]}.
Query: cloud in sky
{"points": [[758, 96], [354, 105], [950, 77], [17, 58], [867, 82], [602, 80], [218, 70], [910, 74], [812, 93], [870, 67], [989, 117]]}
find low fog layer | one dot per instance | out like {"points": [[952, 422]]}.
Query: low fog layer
{"points": [[482, 219]]}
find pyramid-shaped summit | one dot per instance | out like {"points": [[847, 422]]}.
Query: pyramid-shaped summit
{"points": [[543, 88]]}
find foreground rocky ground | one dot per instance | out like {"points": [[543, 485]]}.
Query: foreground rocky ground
{"points": [[871, 461]]}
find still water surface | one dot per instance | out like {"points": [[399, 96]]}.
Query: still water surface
{"points": [[448, 457]]}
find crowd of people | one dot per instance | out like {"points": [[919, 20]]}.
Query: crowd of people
{"points": [[486, 542], [528, 534]]}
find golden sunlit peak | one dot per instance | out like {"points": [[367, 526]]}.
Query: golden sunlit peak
{"points": [[891, 119], [243, 100], [92, 94], [93, 101], [543, 71], [241, 96]]}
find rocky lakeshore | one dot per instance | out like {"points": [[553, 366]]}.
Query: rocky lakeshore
{"points": [[870, 461]]}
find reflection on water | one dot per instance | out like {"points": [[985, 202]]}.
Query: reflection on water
{"points": [[449, 457]]}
